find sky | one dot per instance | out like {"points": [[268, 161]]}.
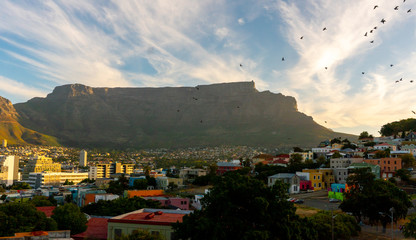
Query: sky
{"points": [[339, 76]]}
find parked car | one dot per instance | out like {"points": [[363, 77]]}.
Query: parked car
{"points": [[299, 201]]}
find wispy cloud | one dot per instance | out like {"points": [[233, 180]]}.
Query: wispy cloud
{"points": [[19, 91], [324, 77]]}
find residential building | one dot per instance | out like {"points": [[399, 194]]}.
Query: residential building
{"points": [[305, 155], [37, 180], [343, 162], [388, 166], [189, 174], [97, 228], [411, 136], [290, 178], [83, 158], [171, 202], [39, 164], [384, 146], [223, 167], [155, 221], [104, 170], [327, 177], [9, 169], [143, 193], [315, 177], [341, 175]]}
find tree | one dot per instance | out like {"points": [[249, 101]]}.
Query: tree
{"points": [[241, 207], [364, 135], [140, 184], [408, 160], [68, 182], [172, 186], [119, 206], [403, 174], [345, 226], [151, 181], [42, 201], [23, 217], [368, 198], [335, 140], [118, 186], [140, 235], [297, 149], [20, 186], [336, 155], [87, 180], [410, 228], [69, 216]]}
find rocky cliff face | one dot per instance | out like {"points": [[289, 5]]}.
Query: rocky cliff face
{"points": [[13, 132], [218, 114]]}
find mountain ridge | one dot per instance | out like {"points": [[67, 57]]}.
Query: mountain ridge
{"points": [[205, 115]]}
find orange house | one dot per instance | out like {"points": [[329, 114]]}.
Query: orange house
{"points": [[143, 193], [388, 166]]}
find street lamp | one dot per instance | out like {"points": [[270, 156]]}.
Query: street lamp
{"points": [[392, 217]]}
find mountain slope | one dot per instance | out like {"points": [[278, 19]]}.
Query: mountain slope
{"points": [[15, 133], [218, 114]]}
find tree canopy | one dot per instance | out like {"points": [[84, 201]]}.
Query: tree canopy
{"points": [[241, 207], [42, 201], [23, 217], [368, 198], [119, 206], [365, 135], [394, 128], [408, 160], [69, 216], [345, 226]]}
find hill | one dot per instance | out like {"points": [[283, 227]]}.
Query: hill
{"points": [[14, 132], [206, 115]]}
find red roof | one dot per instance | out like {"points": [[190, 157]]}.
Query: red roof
{"points": [[150, 218], [96, 229], [47, 210]]}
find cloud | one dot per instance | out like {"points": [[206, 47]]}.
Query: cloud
{"points": [[241, 21], [340, 94], [222, 33], [9, 87]]}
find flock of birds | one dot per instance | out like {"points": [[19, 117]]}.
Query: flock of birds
{"points": [[366, 34]]}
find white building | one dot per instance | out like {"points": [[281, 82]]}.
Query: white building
{"points": [[4, 143], [83, 158], [305, 155], [41, 179], [9, 169]]}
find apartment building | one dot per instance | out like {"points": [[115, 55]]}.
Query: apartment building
{"points": [[37, 180], [39, 164], [104, 170]]}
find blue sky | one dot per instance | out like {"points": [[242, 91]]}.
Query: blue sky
{"points": [[159, 43]]}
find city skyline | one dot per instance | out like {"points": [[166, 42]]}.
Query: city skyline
{"points": [[343, 71]]}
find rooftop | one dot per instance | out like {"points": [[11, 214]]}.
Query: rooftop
{"points": [[150, 217], [96, 229]]}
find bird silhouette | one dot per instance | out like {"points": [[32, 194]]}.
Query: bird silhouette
{"points": [[376, 6], [326, 67], [283, 58], [371, 31], [362, 72], [391, 65], [365, 35], [400, 79], [195, 98], [375, 28], [372, 41], [404, 0], [396, 8], [324, 29], [413, 112], [301, 37], [411, 81], [241, 65], [383, 21], [408, 11], [325, 122], [397, 81]]}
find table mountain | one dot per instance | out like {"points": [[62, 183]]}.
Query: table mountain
{"points": [[206, 115], [14, 133]]}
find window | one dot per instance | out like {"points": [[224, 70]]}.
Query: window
{"points": [[314, 177], [388, 162], [117, 233], [395, 162], [339, 173], [319, 184], [314, 185], [319, 177], [339, 178], [345, 173]]}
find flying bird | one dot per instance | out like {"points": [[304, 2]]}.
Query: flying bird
{"points": [[325, 121], [365, 35], [397, 81], [400, 79], [326, 67], [283, 58], [301, 37], [376, 6], [372, 41], [411, 81], [324, 29], [408, 11], [375, 27], [241, 65], [396, 8], [195, 98], [383, 21], [362, 72], [371, 31], [391, 65], [413, 112]]}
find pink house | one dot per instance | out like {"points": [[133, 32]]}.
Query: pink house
{"points": [[174, 202], [305, 185]]}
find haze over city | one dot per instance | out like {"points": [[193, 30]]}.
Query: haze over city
{"points": [[337, 58]]}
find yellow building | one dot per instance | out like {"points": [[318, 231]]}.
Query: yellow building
{"points": [[327, 177], [316, 178], [39, 164], [155, 221], [37, 180], [104, 170]]}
